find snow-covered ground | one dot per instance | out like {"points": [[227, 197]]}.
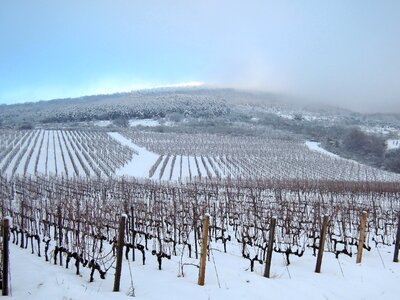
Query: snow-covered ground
{"points": [[71, 153], [132, 123], [315, 146], [393, 144], [380, 129], [143, 122], [227, 277], [103, 123], [290, 114], [191, 166], [140, 165]]}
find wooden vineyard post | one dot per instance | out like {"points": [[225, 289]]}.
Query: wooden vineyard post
{"points": [[270, 247], [362, 237], [60, 233], [397, 245], [120, 245], [133, 233], [5, 256], [203, 257], [321, 244]]}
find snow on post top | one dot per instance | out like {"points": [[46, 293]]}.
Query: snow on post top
{"points": [[9, 220]]}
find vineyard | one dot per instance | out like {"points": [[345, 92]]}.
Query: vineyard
{"points": [[66, 153], [74, 223], [67, 191], [277, 156], [200, 150], [172, 157]]}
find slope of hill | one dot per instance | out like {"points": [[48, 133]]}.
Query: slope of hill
{"points": [[218, 111]]}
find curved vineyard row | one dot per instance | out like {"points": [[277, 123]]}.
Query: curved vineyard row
{"points": [[172, 157], [203, 155]]}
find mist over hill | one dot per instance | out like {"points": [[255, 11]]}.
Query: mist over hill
{"points": [[160, 102], [358, 136]]}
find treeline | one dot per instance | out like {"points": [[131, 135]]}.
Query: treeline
{"points": [[367, 148], [346, 140], [120, 106]]}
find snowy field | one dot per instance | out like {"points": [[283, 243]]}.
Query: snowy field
{"points": [[143, 122], [132, 123], [185, 157], [380, 129], [174, 157], [315, 146], [102, 123], [227, 277], [140, 164], [393, 144]]}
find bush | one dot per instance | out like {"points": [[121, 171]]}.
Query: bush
{"points": [[364, 144], [25, 126], [392, 160], [121, 122]]}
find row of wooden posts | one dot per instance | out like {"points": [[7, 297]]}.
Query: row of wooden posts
{"points": [[203, 257], [271, 238]]}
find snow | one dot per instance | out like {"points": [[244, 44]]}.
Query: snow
{"points": [[185, 167], [285, 116], [132, 123], [177, 168], [201, 167], [227, 274], [22, 161], [143, 122], [68, 144], [216, 165], [51, 167], [31, 165], [67, 158], [229, 278], [393, 144], [58, 153], [210, 168], [291, 114], [380, 129], [47, 281], [20, 167], [42, 167], [49, 145], [140, 164], [315, 146], [103, 123], [193, 166], [72, 146]]}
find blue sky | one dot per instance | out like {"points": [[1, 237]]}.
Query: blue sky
{"points": [[341, 52]]}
